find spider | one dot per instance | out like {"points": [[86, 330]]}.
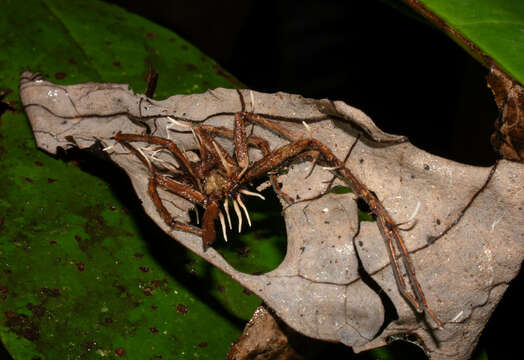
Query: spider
{"points": [[220, 177]]}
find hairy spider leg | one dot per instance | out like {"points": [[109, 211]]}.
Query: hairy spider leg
{"points": [[209, 146], [181, 190], [271, 125], [208, 224], [168, 219], [167, 183], [386, 225], [170, 145], [240, 140]]}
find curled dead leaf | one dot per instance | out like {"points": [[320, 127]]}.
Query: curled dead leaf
{"points": [[508, 137], [465, 236]]}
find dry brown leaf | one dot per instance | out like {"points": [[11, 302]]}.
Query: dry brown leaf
{"points": [[318, 289], [508, 137], [262, 339]]}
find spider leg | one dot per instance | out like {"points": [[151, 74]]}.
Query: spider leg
{"points": [[168, 219], [210, 146], [240, 140], [181, 189], [386, 225], [171, 146], [208, 224], [257, 142], [271, 125], [171, 185]]}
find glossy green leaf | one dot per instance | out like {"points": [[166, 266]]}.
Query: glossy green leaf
{"points": [[339, 189], [83, 272], [495, 27]]}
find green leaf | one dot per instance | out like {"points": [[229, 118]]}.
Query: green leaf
{"points": [[83, 272], [495, 27], [339, 189]]}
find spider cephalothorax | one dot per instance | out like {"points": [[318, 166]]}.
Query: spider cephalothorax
{"points": [[219, 178]]}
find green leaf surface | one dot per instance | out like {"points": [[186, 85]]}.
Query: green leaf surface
{"points": [[495, 27], [83, 272]]}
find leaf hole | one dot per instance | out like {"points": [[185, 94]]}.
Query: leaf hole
{"points": [[261, 247]]}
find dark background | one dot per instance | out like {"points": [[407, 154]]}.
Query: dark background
{"points": [[404, 73], [408, 76]]}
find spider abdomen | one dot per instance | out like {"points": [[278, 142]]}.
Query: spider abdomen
{"points": [[215, 183]]}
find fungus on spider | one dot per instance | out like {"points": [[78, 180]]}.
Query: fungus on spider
{"points": [[218, 176]]}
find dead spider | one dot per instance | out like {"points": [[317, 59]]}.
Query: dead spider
{"points": [[218, 176]]}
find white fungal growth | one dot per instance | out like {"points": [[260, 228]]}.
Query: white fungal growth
{"points": [[415, 212], [223, 224], [252, 100], [239, 215], [239, 199], [222, 158], [251, 193], [308, 129], [110, 147], [226, 207]]}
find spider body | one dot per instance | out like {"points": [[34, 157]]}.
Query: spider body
{"points": [[219, 177], [216, 185], [216, 177]]}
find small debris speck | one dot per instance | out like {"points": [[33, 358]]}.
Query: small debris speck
{"points": [[247, 291], [148, 291], [182, 309], [50, 292]]}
